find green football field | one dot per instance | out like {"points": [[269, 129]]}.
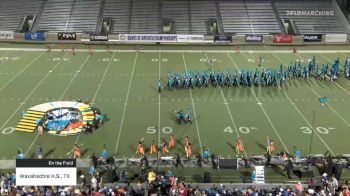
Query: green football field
{"points": [[123, 85]]}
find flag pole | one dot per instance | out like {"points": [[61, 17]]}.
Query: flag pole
{"points": [[312, 131]]}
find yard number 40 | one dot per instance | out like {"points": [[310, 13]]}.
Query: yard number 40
{"points": [[243, 130]]}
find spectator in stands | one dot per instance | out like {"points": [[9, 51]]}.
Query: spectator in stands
{"points": [[83, 182], [252, 177], [324, 180], [298, 188], [139, 189], [99, 180], [94, 183], [2, 184], [345, 191], [334, 185], [312, 182], [129, 190], [123, 175], [151, 177], [13, 178], [94, 160], [92, 170], [183, 189]]}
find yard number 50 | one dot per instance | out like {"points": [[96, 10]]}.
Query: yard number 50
{"points": [[153, 130]]}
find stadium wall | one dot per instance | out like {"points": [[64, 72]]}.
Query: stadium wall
{"points": [[255, 39]]}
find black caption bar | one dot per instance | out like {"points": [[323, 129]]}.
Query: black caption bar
{"points": [[46, 163]]}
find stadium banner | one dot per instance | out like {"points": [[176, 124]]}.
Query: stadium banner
{"points": [[282, 38], [160, 38], [336, 38], [94, 37], [313, 38], [38, 36], [223, 38], [190, 38], [66, 36], [253, 38], [7, 35]]}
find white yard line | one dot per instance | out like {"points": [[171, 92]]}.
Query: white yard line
{"points": [[26, 99], [262, 108], [125, 104], [75, 75], [98, 89], [228, 109], [159, 61], [187, 51], [31, 145], [64, 90], [194, 109], [328, 105], [20, 72], [4, 62], [335, 82], [103, 77], [302, 115]]}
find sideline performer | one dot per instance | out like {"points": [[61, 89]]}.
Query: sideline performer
{"points": [[76, 151], [140, 150], [188, 151], [186, 140], [239, 146], [164, 147], [62, 47], [171, 141], [49, 47], [89, 50], [270, 146], [153, 148]]}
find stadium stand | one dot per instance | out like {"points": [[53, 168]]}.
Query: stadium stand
{"points": [[55, 15], [84, 16], [190, 17], [248, 17], [119, 12], [144, 18], [311, 24], [201, 12], [177, 11], [69, 15], [13, 12]]}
